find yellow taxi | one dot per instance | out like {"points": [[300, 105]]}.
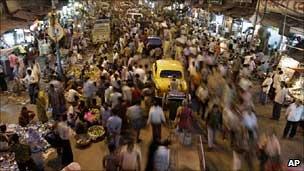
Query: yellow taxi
{"points": [[165, 71]]}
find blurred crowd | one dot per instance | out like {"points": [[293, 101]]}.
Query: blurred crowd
{"points": [[222, 76]]}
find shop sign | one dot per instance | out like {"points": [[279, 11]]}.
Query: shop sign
{"points": [[217, 2], [291, 7]]}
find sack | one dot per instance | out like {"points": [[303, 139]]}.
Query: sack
{"points": [[185, 138]]}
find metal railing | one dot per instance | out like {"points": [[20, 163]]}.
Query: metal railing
{"points": [[201, 154]]}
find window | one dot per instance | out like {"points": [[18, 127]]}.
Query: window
{"points": [[170, 74]]}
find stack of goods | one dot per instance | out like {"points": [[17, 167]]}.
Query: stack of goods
{"points": [[96, 132], [93, 73], [82, 140], [297, 89], [7, 161], [33, 134]]}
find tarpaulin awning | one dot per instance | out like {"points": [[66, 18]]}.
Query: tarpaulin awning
{"points": [[301, 70], [25, 15], [6, 25]]}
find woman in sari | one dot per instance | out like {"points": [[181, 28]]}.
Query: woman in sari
{"points": [[41, 107]]}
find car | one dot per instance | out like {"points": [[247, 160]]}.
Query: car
{"points": [[163, 72], [101, 31], [135, 16], [154, 42], [133, 10]]}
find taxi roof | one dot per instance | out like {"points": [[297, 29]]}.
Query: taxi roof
{"points": [[169, 64]]}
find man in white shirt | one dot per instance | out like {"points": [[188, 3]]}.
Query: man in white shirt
{"points": [[108, 93], [293, 115], [156, 118], [249, 58], [127, 92], [114, 98], [277, 78], [265, 89], [32, 82], [89, 91], [72, 95], [141, 72], [279, 99]]}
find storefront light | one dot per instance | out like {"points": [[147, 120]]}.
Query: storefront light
{"points": [[64, 9], [76, 4], [153, 5], [19, 31]]}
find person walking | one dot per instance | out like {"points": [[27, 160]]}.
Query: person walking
{"points": [[111, 161], [41, 107], [56, 103], [22, 154], [130, 158], [293, 115], [265, 89], [89, 91], [279, 99], [184, 117], [3, 84], [273, 151], [156, 118], [162, 157], [114, 124], [65, 132], [33, 87], [135, 116], [213, 122]]}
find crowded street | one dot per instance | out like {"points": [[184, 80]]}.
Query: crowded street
{"points": [[152, 85]]}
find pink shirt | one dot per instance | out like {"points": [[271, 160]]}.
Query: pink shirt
{"points": [[13, 60]]}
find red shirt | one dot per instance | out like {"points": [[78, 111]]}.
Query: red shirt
{"points": [[185, 116]]}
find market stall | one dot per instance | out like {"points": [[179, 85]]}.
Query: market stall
{"points": [[293, 75], [33, 135], [286, 63], [296, 90]]}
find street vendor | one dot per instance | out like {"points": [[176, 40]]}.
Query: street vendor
{"points": [[22, 154], [26, 116], [3, 139]]}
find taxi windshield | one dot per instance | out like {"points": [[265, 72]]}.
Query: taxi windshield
{"points": [[170, 74]]}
